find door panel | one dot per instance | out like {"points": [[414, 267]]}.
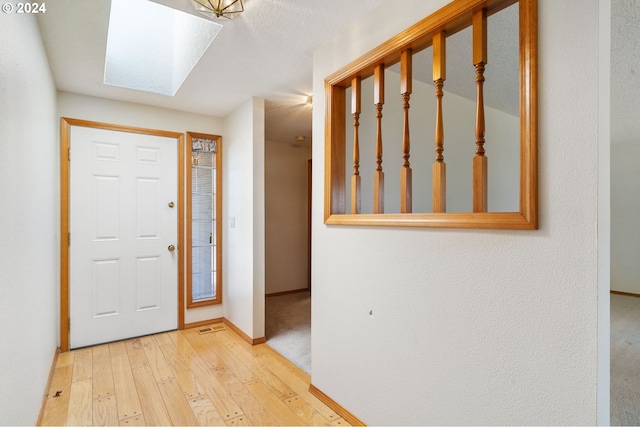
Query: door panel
{"points": [[106, 295], [123, 279]]}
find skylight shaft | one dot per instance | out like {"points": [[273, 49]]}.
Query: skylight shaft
{"points": [[153, 48]]}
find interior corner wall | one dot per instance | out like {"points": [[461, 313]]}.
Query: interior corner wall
{"points": [[625, 148], [453, 326], [286, 204], [625, 203], [84, 107], [29, 221], [603, 394], [243, 216]]}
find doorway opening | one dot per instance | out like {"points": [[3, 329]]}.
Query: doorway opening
{"points": [[288, 250]]}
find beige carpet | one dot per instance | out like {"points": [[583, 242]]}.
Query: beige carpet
{"points": [[288, 327], [625, 360]]}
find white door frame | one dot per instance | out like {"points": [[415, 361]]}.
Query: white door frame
{"points": [[65, 133]]}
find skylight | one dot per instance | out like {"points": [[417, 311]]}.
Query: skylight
{"points": [[153, 48]]}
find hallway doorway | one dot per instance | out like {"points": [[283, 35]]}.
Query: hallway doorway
{"points": [[288, 250]]}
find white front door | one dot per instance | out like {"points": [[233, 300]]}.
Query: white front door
{"points": [[123, 262]]}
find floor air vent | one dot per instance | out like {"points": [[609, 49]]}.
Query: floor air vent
{"points": [[213, 328]]}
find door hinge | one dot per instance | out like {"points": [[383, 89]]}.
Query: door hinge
{"points": [[69, 238], [69, 323], [69, 154]]}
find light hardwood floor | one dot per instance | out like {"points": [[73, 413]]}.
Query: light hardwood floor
{"points": [[182, 378]]}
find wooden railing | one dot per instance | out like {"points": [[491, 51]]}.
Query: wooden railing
{"points": [[431, 32]]}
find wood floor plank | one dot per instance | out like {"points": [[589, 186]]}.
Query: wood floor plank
{"points": [[181, 343], [105, 411], [285, 370], [163, 340], [205, 411], [125, 388], [83, 364], [339, 422], [305, 411], [252, 408], [80, 412], [238, 421], [264, 350], [137, 420], [244, 354], [102, 372], [177, 406], [217, 368], [179, 361], [137, 356], [153, 407], [57, 403], [214, 388], [255, 412], [206, 353], [159, 366], [65, 359], [117, 348], [275, 406], [229, 360]]}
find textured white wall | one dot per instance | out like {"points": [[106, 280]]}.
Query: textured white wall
{"points": [[470, 326], [83, 107], [29, 221], [286, 216], [243, 203]]}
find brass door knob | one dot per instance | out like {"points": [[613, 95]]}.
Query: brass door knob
{"points": [[171, 248], [171, 204]]}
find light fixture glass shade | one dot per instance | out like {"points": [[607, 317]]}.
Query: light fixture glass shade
{"points": [[219, 8]]}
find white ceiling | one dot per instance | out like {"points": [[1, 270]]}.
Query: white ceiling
{"points": [[266, 52]]}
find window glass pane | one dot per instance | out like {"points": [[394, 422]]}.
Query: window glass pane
{"points": [[203, 284], [202, 205], [202, 180]]}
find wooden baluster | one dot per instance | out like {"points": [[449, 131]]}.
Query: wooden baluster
{"points": [[378, 175], [356, 101], [439, 166], [480, 167], [405, 172]]}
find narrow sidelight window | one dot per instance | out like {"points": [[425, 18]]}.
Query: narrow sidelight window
{"points": [[204, 240]]}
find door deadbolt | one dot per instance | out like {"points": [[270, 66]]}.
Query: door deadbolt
{"points": [[171, 204], [171, 248]]}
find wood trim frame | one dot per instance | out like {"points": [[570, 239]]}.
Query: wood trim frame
{"points": [[627, 294], [336, 407], [247, 338], [204, 323], [452, 18], [65, 134], [188, 243], [254, 341], [294, 291]]}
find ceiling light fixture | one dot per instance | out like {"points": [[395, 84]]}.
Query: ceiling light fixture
{"points": [[219, 8]]}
